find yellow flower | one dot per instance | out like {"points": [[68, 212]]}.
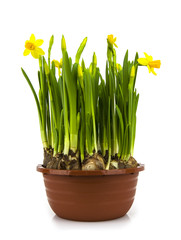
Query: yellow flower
{"points": [[112, 40], [32, 46], [58, 65], [148, 61]]}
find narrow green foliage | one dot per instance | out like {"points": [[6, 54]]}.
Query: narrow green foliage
{"points": [[82, 112], [43, 97], [83, 65], [136, 68], [109, 133], [82, 127], [66, 119], [34, 93], [125, 76], [88, 111], [42, 129], [121, 130], [61, 133], [71, 84]]}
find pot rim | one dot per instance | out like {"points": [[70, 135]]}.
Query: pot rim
{"points": [[85, 173]]}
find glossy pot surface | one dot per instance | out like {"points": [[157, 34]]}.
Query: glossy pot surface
{"points": [[90, 195]]}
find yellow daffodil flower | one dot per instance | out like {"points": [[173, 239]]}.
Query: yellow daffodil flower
{"points": [[32, 45], [112, 40], [148, 61], [58, 65]]}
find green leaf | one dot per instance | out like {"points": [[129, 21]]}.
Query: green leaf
{"points": [[61, 133], [109, 133], [71, 84], [125, 76], [35, 96], [120, 121], [125, 144], [136, 68]]}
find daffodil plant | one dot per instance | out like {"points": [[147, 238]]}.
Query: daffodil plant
{"points": [[86, 122]]}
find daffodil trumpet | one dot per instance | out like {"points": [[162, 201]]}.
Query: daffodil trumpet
{"points": [[86, 122]]}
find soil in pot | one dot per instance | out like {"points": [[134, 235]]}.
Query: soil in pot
{"points": [[94, 162]]}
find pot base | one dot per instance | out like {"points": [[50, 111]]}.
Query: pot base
{"points": [[88, 196]]}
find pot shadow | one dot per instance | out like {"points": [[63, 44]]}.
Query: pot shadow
{"points": [[64, 224]]}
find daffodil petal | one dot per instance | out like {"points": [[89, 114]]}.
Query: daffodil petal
{"points": [[152, 70], [32, 38], [115, 45], [35, 54], [110, 36], [110, 39], [27, 41], [56, 63], [146, 55], [149, 58], [40, 51], [39, 42], [143, 61], [149, 68], [26, 52]]}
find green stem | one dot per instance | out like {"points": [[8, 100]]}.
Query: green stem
{"points": [[94, 124], [71, 84], [66, 120], [42, 130], [109, 135]]}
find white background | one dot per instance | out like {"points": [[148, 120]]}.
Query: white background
{"points": [[144, 26]]}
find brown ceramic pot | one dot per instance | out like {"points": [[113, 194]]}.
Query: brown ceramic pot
{"points": [[90, 195]]}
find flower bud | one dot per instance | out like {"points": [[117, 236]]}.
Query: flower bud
{"points": [[51, 42], [63, 43], [132, 74], [118, 67], [80, 73], [94, 59]]}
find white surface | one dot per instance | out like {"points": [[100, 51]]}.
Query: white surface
{"points": [[151, 26]]}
